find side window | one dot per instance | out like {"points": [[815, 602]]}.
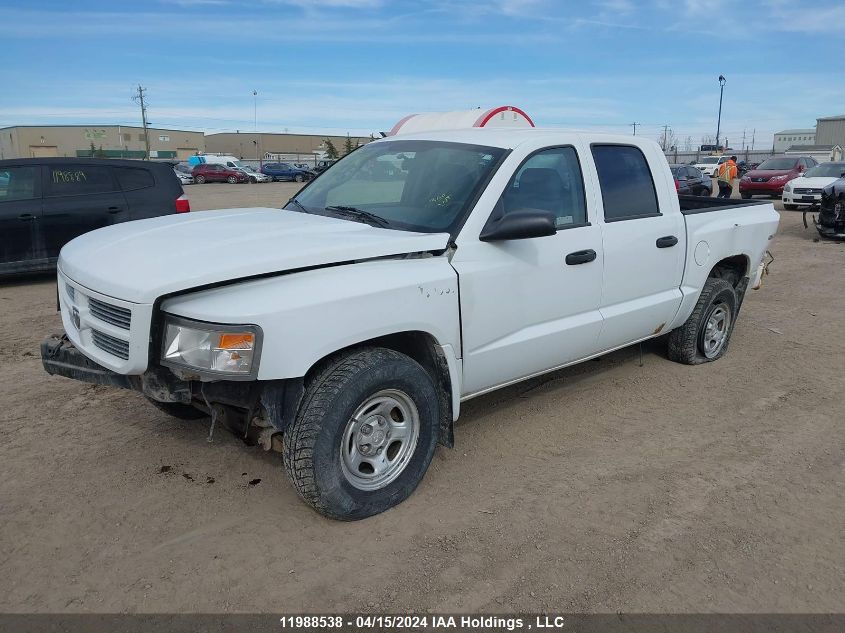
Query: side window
{"points": [[627, 187], [72, 180], [17, 183], [550, 180], [131, 179]]}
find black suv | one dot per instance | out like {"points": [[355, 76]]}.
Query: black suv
{"points": [[46, 202]]}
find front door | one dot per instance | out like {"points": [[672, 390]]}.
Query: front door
{"points": [[644, 248], [531, 305], [20, 217], [78, 198]]}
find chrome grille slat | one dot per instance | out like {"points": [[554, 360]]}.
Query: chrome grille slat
{"points": [[117, 316], [110, 344]]}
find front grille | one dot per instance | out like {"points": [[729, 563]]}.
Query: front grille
{"points": [[121, 317], [808, 191], [110, 344], [760, 179]]}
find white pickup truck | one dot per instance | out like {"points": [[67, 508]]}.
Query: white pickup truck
{"points": [[416, 273]]}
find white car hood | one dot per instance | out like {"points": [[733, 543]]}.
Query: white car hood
{"points": [[820, 182], [143, 260]]}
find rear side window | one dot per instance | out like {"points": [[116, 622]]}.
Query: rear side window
{"points": [[627, 187], [132, 178], [17, 183], [73, 180], [549, 180]]}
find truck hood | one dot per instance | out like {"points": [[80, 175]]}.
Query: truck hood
{"points": [[143, 260]]}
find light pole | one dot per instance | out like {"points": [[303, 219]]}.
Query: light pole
{"points": [[722, 81], [255, 110]]}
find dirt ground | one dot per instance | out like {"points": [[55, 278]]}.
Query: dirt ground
{"points": [[604, 487]]}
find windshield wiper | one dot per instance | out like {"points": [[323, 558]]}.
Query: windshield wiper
{"points": [[366, 216], [299, 204]]}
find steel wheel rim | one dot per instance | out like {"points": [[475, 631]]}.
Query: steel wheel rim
{"points": [[379, 440], [716, 328]]}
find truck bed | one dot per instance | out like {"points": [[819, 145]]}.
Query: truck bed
{"points": [[701, 204]]}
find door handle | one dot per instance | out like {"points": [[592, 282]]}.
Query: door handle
{"points": [[27, 216], [666, 242], [580, 257], [115, 209]]}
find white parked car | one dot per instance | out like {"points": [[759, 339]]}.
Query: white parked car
{"points": [[352, 324], [709, 165], [255, 176], [807, 188], [185, 179]]}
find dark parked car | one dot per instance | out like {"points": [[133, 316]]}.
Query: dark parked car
{"points": [[772, 174], [690, 181], [323, 165], [46, 202], [214, 172], [286, 171]]}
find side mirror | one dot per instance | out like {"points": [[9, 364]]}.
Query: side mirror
{"points": [[519, 225]]}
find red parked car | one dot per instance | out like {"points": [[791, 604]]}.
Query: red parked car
{"points": [[208, 172], [771, 175]]}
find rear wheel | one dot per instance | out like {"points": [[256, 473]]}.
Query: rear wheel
{"points": [[299, 178], [364, 435], [199, 180], [745, 196], [706, 334]]}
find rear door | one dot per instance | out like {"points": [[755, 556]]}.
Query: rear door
{"points": [[145, 197], [78, 198], [530, 305], [644, 240], [21, 246]]}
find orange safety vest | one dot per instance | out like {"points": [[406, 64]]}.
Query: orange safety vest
{"points": [[727, 171]]}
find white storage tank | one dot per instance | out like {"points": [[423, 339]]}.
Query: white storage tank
{"points": [[502, 116]]}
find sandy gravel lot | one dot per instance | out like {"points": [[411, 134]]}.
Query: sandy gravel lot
{"points": [[604, 487]]}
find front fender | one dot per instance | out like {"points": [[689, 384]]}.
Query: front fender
{"points": [[305, 316]]}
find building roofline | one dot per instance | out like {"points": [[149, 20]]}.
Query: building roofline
{"points": [[140, 127], [838, 117]]}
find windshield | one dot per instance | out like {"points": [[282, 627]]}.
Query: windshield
{"points": [[709, 160], [833, 170], [778, 163], [248, 168], [414, 185]]}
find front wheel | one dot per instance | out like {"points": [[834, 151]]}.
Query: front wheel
{"points": [[706, 334], [232, 180], [299, 178], [199, 180], [364, 435]]}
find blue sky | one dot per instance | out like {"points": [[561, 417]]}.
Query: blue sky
{"points": [[357, 66]]}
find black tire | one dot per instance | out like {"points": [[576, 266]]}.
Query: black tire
{"points": [[312, 444], [199, 180], [179, 410], [686, 343], [790, 207], [299, 178], [745, 196], [232, 180]]}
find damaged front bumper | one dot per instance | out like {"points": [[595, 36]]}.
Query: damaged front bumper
{"points": [[61, 358]]}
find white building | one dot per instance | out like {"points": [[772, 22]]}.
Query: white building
{"points": [[787, 138]]}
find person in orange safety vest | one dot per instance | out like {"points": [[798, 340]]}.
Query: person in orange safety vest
{"points": [[727, 173]]}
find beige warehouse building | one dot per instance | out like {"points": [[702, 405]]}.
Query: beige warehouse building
{"points": [[116, 141], [257, 145]]}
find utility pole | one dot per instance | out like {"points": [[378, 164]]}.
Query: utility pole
{"points": [[665, 132], [255, 110], [139, 98], [753, 134], [635, 128]]}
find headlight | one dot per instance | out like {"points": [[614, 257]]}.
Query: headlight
{"points": [[226, 350], [788, 188]]}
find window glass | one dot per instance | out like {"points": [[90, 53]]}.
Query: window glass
{"points": [[70, 179], [131, 179], [17, 183], [414, 185], [549, 180], [627, 187]]}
